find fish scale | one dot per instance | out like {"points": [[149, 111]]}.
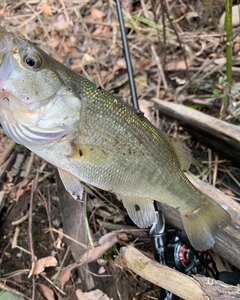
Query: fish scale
{"points": [[91, 136]]}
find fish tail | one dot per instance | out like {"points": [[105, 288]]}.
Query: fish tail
{"points": [[202, 224]]}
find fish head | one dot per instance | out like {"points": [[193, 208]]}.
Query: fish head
{"points": [[25, 70], [34, 96]]}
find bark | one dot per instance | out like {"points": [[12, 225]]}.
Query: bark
{"points": [[186, 287], [219, 135]]}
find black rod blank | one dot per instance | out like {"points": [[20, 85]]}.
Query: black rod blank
{"points": [[127, 56]]}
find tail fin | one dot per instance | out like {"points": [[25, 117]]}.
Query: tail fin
{"points": [[202, 225]]}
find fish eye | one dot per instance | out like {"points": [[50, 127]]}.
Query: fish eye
{"points": [[32, 60]]}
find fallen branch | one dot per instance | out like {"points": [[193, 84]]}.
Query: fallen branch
{"points": [[186, 287], [217, 134]]}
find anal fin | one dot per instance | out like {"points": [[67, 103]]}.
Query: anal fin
{"points": [[72, 184], [140, 210]]}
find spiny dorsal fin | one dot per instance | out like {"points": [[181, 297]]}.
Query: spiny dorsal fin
{"points": [[140, 210], [182, 152]]}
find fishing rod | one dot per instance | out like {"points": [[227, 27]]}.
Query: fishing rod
{"points": [[127, 56]]}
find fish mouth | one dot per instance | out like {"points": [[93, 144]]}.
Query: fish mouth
{"points": [[6, 58]]}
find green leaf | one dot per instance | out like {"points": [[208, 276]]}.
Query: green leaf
{"points": [[216, 92], [5, 295], [222, 79], [147, 22]]}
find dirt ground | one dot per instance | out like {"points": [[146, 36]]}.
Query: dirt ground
{"points": [[44, 233]]}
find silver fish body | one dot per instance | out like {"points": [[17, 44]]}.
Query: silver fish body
{"points": [[91, 136]]}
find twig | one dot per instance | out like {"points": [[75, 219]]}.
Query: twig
{"points": [[52, 283], [7, 288], [86, 221], [66, 236], [15, 237], [33, 190], [160, 68], [215, 170], [62, 263], [21, 220], [29, 165]]}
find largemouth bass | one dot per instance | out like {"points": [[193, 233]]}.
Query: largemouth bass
{"points": [[91, 136]]}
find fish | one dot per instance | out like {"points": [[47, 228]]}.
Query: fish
{"points": [[92, 137]]}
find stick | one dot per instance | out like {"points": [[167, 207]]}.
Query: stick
{"points": [[179, 284], [186, 287]]}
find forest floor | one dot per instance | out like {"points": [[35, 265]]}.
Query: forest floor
{"points": [[38, 260]]}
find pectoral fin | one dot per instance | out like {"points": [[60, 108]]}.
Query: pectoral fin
{"points": [[72, 184], [140, 210]]}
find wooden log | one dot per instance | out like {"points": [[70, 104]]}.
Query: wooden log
{"points": [[186, 287], [228, 239], [217, 134]]}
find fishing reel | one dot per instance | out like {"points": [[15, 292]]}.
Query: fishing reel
{"points": [[182, 258], [172, 248]]}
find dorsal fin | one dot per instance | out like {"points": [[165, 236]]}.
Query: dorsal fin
{"points": [[182, 152]]}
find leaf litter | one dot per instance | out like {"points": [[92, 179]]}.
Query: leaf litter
{"points": [[85, 36]]}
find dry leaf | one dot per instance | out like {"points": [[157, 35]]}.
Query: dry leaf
{"points": [[47, 9], [145, 106], [64, 277], [61, 23], [191, 17], [141, 82], [106, 30], [179, 64], [81, 296], [93, 295], [39, 266], [98, 30], [143, 63], [121, 62], [101, 270], [23, 187], [105, 243], [110, 237], [47, 292], [97, 14], [235, 17], [58, 244], [123, 237], [87, 58]]}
